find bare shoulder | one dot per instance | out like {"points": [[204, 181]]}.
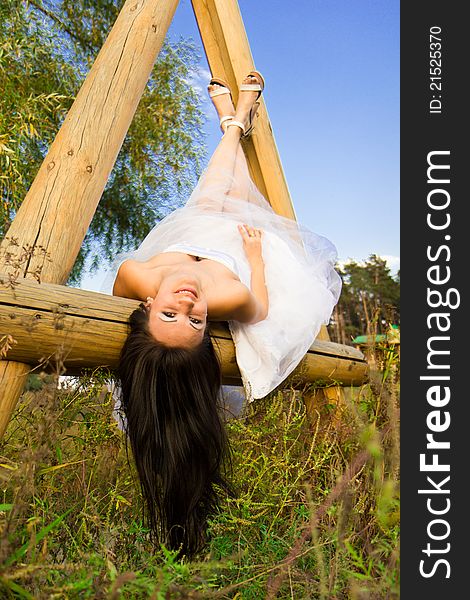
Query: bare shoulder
{"points": [[233, 301], [128, 282]]}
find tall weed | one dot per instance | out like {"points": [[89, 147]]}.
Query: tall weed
{"points": [[316, 514]]}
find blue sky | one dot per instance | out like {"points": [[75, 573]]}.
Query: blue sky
{"points": [[332, 93]]}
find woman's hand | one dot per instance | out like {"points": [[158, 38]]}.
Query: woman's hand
{"points": [[253, 250], [251, 242]]}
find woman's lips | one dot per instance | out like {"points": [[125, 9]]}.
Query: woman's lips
{"points": [[187, 290]]}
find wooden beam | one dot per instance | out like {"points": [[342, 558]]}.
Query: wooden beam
{"points": [[55, 323], [229, 56], [46, 235]]}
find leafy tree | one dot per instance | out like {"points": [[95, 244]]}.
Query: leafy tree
{"points": [[369, 302], [37, 89], [46, 49]]}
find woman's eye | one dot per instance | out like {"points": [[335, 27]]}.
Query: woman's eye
{"points": [[196, 321], [169, 314]]}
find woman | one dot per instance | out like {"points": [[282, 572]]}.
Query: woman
{"points": [[225, 256]]}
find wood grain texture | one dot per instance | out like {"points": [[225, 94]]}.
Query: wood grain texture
{"points": [[45, 237], [87, 329], [55, 214], [12, 378]]}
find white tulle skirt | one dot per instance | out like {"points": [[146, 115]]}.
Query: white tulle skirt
{"points": [[302, 283]]}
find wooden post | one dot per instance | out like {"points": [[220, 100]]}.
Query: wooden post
{"points": [[55, 215], [329, 396], [229, 56], [48, 230], [12, 378]]}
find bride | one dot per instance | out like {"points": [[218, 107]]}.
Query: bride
{"points": [[224, 256]]}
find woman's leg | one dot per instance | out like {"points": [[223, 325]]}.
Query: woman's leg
{"points": [[242, 184], [222, 163], [228, 160]]}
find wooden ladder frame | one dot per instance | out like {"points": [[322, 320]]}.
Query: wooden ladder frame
{"points": [[46, 235]]}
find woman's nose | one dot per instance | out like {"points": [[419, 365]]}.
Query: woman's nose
{"points": [[186, 300]]}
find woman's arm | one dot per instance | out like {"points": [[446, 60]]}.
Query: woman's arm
{"points": [[239, 304], [130, 283], [120, 288], [257, 306]]}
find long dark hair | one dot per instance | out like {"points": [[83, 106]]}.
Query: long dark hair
{"points": [[170, 398]]}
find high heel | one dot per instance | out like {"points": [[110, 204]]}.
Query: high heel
{"points": [[252, 87], [223, 89]]}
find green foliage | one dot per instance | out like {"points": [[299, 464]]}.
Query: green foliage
{"points": [[70, 515], [369, 302], [46, 49], [37, 88]]}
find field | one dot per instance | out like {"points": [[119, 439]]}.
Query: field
{"points": [[316, 513]]}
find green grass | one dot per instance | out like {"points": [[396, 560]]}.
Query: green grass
{"points": [[301, 526]]}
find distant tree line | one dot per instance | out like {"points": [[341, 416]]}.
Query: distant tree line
{"points": [[369, 301]]}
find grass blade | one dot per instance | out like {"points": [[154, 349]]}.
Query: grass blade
{"points": [[41, 535]]}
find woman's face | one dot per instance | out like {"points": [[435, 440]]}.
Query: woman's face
{"points": [[178, 313]]}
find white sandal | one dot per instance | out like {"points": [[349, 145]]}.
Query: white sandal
{"points": [[250, 87], [224, 120], [253, 87], [223, 89]]}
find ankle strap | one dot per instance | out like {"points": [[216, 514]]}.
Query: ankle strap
{"points": [[226, 118], [237, 123]]}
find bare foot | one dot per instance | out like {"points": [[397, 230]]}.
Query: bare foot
{"points": [[223, 103]]}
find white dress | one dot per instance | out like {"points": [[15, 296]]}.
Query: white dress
{"points": [[302, 285]]}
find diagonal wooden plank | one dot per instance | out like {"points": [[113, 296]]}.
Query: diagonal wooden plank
{"points": [[229, 56], [48, 230], [57, 210]]}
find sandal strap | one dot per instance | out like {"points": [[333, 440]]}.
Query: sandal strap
{"points": [[251, 87], [227, 118], [224, 120], [251, 122], [219, 92], [237, 123]]}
